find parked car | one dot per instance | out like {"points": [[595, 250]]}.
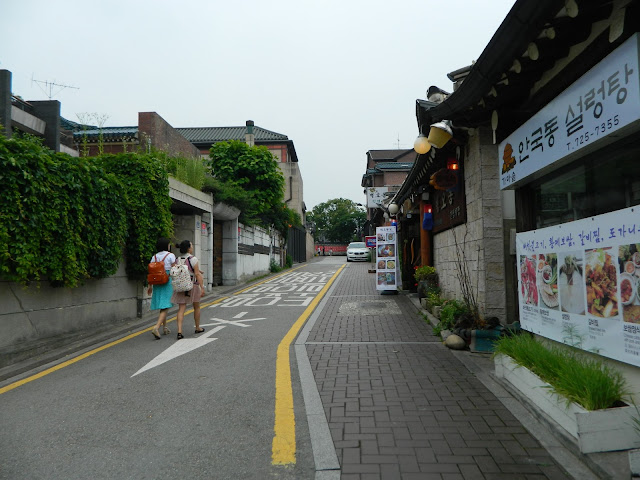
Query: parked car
{"points": [[357, 251]]}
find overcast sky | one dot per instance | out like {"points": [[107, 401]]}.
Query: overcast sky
{"points": [[338, 77]]}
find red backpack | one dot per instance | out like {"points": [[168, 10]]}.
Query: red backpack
{"points": [[156, 274]]}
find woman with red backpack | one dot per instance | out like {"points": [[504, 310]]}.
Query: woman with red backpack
{"points": [[161, 299]]}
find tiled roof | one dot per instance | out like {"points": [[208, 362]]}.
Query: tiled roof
{"points": [[220, 134], [389, 166], [73, 126], [107, 132], [389, 155]]}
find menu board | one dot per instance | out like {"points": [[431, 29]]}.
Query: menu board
{"points": [[579, 283], [387, 268]]}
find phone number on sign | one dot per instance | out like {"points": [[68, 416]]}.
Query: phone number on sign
{"points": [[598, 130]]}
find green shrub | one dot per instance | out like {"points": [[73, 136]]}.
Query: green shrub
{"points": [[573, 376], [274, 267], [423, 272], [289, 261], [451, 310]]}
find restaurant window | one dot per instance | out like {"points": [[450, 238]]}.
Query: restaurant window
{"points": [[601, 182]]}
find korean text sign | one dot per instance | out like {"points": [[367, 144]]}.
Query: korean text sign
{"points": [[602, 101], [579, 283]]}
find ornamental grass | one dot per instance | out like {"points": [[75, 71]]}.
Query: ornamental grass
{"points": [[571, 375]]}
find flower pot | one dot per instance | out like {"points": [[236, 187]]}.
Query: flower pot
{"points": [[605, 430], [484, 340]]}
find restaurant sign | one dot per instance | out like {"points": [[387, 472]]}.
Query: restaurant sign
{"points": [[601, 102], [579, 283]]}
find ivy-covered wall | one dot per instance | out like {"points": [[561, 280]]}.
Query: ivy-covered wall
{"points": [[65, 219]]}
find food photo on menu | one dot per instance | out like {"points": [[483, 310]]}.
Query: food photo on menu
{"points": [[547, 274], [601, 280], [386, 251], [629, 269], [571, 282], [528, 279]]}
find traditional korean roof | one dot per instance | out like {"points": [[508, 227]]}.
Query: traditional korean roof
{"points": [[390, 155], [210, 135], [538, 51], [108, 133]]}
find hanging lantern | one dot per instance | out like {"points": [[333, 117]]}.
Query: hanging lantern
{"points": [[427, 217], [421, 145], [452, 164]]}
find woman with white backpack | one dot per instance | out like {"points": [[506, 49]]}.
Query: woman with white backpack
{"points": [[192, 296]]}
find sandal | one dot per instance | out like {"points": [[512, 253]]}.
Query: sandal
{"points": [[165, 331], [200, 331], [180, 336], [156, 333]]}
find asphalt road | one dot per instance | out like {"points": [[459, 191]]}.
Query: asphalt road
{"points": [[201, 407]]}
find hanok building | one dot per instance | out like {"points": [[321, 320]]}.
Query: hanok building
{"points": [[545, 137]]}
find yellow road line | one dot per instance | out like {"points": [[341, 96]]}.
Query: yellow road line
{"points": [[116, 342], [283, 448]]}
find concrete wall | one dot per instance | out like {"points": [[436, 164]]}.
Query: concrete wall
{"points": [[259, 241], [482, 237], [39, 317]]}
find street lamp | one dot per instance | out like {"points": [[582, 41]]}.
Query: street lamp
{"points": [[393, 208]]}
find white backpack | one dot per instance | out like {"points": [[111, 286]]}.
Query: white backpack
{"points": [[180, 276]]}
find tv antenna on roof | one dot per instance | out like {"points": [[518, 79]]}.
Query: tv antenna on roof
{"points": [[49, 87]]}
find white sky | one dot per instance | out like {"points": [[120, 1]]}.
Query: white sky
{"points": [[338, 77]]}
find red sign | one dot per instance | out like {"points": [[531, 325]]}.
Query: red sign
{"points": [[370, 241]]}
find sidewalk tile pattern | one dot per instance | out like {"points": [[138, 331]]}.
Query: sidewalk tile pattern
{"points": [[410, 410]]}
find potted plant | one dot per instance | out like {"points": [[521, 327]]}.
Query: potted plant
{"points": [[427, 279], [583, 395]]}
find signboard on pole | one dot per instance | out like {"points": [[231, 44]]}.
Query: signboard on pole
{"points": [[370, 241], [387, 267]]}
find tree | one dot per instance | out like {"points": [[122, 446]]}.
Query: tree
{"points": [[252, 170], [338, 220]]}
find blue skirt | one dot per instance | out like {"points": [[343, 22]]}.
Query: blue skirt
{"points": [[162, 296]]}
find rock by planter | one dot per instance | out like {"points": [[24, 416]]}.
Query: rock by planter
{"points": [[436, 311], [423, 303], [455, 342]]}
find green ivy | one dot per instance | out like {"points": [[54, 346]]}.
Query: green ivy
{"points": [[68, 219]]}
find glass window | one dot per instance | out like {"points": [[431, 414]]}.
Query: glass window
{"points": [[604, 181]]}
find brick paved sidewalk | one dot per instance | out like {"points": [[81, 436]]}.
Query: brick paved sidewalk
{"points": [[400, 405]]}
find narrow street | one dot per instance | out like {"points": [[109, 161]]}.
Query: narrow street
{"points": [[375, 395]]}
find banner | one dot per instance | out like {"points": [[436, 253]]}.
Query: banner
{"points": [[387, 268], [579, 283]]}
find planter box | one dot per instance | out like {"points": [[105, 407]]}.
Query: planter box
{"points": [[595, 431]]}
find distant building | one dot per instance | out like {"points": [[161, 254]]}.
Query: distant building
{"points": [[385, 173]]}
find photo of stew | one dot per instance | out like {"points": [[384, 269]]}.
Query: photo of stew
{"points": [[602, 283]]}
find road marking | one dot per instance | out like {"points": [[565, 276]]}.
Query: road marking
{"points": [[283, 447], [179, 348], [238, 323], [62, 365]]}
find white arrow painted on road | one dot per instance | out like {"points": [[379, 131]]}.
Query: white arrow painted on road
{"points": [[180, 347]]}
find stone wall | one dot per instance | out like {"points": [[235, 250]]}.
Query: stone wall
{"points": [[37, 318], [481, 238]]}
